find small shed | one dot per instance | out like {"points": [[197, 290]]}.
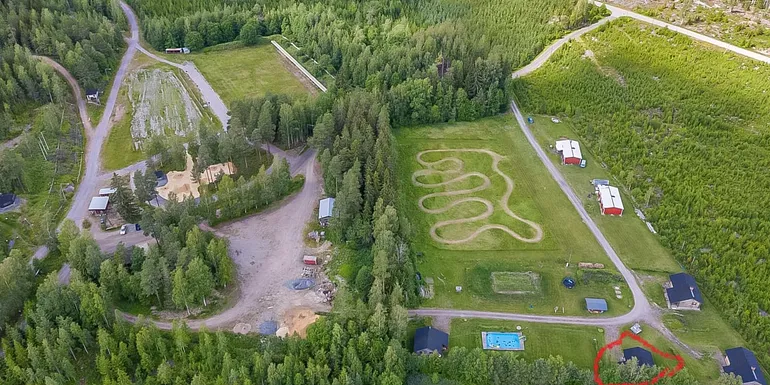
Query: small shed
{"points": [[99, 205], [325, 210], [6, 200], [92, 95], [310, 260], [742, 362], [107, 191], [569, 151], [600, 182], [682, 292], [429, 340], [609, 200], [643, 356], [596, 305]]}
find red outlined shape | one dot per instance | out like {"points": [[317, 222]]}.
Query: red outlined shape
{"points": [[666, 372]]}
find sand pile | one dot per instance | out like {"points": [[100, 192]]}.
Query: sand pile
{"points": [[182, 184]]}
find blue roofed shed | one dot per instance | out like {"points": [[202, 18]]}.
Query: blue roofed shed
{"points": [[683, 292], [743, 363], [596, 305]]}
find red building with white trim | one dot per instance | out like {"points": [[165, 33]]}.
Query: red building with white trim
{"points": [[609, 200], [569, 151]]}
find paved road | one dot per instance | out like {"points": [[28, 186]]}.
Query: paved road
{"points": [[620, 12], [216, 105]]}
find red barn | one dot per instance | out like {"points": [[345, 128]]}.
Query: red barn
{"points": [[569, 151], [609, 199]]}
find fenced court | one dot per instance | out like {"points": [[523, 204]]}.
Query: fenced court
{"points": [[502, 341]]}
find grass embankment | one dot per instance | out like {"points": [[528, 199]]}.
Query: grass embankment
{"points": [[119, 150], [578, 344], [535, 197], [237, 72]]}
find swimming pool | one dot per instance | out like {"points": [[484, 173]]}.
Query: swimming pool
{"points": [[502, 341]]}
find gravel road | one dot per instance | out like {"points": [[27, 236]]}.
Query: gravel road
{"points": [[267, 249], [216, 105]]}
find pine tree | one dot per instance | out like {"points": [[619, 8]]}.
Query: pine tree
{"points": [[124, 200]]}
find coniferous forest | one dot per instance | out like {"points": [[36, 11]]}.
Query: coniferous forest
{"points": [[690, 145]]}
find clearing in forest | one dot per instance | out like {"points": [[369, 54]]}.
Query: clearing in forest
{"points": [[452, 178], [480, 205], [161, 105]]}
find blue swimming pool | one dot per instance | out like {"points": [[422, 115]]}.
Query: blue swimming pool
{"points": [[502, 341]]}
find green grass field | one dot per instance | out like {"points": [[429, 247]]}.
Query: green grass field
{"points": [[119, 151], [578, 344], [635, 244], [243, 72], [535, 197]]}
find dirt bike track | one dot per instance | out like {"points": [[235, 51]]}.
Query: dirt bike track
{"points": [[490, 209]]}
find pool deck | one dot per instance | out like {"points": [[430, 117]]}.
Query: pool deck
{"points": [[487, 347]]}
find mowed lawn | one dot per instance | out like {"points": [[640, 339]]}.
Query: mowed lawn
{"points": [[635, 244], [578, 344], [536, 197], [242, 72]]}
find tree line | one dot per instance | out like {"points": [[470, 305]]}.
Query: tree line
{"points": [[684, 129]]}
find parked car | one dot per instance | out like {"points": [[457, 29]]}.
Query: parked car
{"points": [[123, 229], [137, 227]]}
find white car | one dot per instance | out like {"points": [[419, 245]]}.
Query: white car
{"points": [[123, 229]]}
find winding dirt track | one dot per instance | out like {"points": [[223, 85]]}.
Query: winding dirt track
{"points": [[458, 170]]}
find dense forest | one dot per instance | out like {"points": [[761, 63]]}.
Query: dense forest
{"points": [[690, 145]]}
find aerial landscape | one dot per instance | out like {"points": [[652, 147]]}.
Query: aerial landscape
{"points": [[385, 192]]}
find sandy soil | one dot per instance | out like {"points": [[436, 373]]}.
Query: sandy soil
{"points": [[267, 257], [180, 182], [297, 320], [458, 169]]}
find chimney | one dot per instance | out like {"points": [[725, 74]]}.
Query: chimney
{"points": [[754, 372], [692, 291]]}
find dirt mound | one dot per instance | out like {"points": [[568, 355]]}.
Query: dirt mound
{"points": [[298, 319], [182, 184]]}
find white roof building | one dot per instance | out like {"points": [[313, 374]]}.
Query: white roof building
{"points": [[609, 196], [107, 191], [99, 203], [326, 208], [569, 148]]}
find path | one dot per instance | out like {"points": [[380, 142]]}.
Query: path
{"points": [[215, 103], [496, 158], [78, 93], [543, 57], [266, 255]]}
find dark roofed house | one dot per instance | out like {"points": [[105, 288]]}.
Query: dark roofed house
{"points": [[428, 340], [92, 95], [6, 200], [682, 292], [743, 363], [596, 305], [643, 356]]}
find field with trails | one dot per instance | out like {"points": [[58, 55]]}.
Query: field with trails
{"points": [[237, 72], [482, 204]]}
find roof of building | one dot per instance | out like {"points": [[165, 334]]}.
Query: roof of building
{"points": [[430, 338], [7, 199], [743, 363], [600, 182], [99, 203], [596, 304], [643, 356], [569, 148], [326, 208], [107, 191], [610, 197], [683, 288], [160, 174], [92, 91]]}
